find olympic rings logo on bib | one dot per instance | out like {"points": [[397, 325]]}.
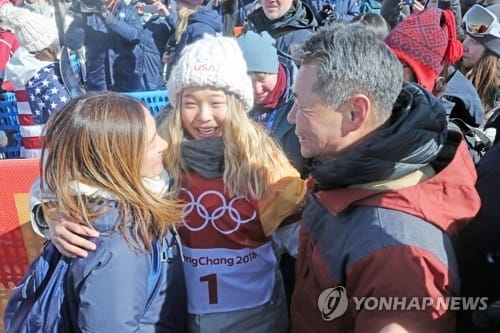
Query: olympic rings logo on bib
{"points": [[195, 206]]}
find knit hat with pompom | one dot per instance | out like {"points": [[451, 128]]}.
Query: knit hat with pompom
{"points": [[425, 41]]}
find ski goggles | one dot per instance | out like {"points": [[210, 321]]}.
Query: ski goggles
{"points": [[479, 22]]}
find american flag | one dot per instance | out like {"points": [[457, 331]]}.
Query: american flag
{"points": [[45, 93]]}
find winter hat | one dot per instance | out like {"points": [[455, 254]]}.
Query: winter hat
{"points": [[191, 4], [4, 2], [259, 51], [34, 31], [424, 41], [215, 62], [490, 42]]}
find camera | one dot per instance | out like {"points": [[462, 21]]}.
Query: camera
{"points": [[327, 15], [151, 9], [91, 6]]}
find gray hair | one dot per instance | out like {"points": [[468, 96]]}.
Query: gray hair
{"points": [[352, 60]]}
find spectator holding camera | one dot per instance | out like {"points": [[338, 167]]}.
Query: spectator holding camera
{"points": [[111, 32], [159, 27], [327, 11]]}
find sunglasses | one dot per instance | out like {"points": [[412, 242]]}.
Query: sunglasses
{"points": [[479, 22]]}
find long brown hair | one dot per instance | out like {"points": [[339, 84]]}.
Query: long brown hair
{"points": [[98, 140], [485, 77]]}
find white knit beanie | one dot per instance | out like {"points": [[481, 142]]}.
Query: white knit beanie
{"points": [[214, 62], [34, 31]]}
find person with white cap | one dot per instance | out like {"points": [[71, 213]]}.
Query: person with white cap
{"points": [[35, 73], [247, 192], [481, 59]]}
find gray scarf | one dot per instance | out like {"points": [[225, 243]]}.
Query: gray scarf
{"points": [[205, 157]]}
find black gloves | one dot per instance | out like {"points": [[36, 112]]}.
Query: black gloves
{"points": [[327, 15]]}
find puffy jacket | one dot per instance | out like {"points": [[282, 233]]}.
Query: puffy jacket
{"points": [[137, 304], [113, 49], [466, 102], [378, 223]]}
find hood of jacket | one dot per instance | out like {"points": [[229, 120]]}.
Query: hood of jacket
{"points": [[460, 87], [300, 16], [412, 164], [207, 15]]}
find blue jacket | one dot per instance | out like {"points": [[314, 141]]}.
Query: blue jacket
{"points": [[465, 99], [204, 21], [157, 31], [113, 50], [347, 9], [110, 291]]}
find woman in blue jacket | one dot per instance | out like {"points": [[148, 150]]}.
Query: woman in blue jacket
{"points": [[113, 179]]}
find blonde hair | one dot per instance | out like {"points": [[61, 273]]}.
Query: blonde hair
{"points": [[182, 21], [50, 53], [252, 159], [98, 139]]}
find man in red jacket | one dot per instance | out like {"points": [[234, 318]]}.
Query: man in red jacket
{"points": [[392, 186]]}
